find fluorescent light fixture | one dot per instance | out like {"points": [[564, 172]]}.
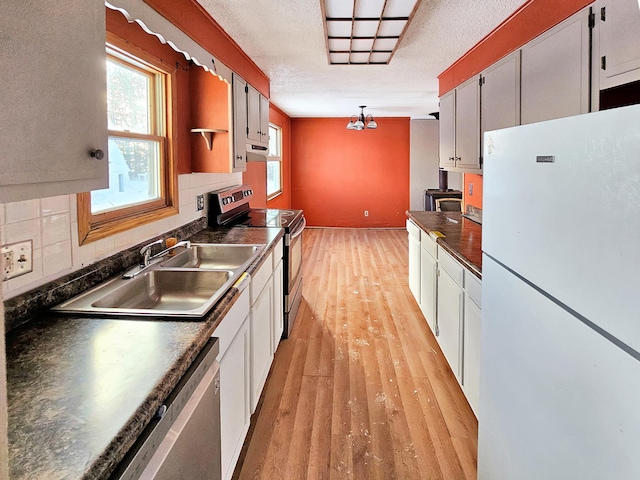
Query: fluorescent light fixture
{"points": [[365, 32]]}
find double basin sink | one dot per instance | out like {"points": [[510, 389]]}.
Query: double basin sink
{"points": [[186, 284]]}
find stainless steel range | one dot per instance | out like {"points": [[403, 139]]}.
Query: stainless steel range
{"points": [[229, 207]]}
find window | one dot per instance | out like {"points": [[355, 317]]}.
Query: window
{"points": [[142, 184], [274, 172]]}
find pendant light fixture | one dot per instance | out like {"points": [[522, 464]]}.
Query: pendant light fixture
{"points": [[360, 122]]}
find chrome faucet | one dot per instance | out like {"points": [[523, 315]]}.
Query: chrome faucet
{"points": [[148, 259], [183, 243], [146, 253]]}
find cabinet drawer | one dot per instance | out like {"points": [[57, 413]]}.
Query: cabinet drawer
{"points": [[260, 278], [413, 230], [232, 321], [473, 287], [430, 245], [277, 252], [451, 266]]}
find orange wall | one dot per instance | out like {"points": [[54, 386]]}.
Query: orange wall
{"points": [[256, 174], [476, 198], [529, 21], [132, 32], [337, 174], [190, 17]]}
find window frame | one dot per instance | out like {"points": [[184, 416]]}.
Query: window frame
{"points": [[275, 158], [92, 227]]}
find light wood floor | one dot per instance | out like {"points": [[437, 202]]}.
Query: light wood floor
{"points": [[361, 390]]}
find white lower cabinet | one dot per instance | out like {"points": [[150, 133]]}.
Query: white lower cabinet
{"points": [[471, 353], [414, 259], [450, 319], [234, 358], [428, 281], [261, 321]]}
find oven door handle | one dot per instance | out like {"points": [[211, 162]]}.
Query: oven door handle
{"points": [[299, 230]]}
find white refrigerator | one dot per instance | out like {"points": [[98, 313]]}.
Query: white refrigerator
{"points": [[560, 348]]}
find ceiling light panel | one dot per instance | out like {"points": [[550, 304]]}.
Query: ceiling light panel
{"points": [[355, 26], [365, 28], [399, 8], [369, 8], [339, 44], [338, 29], [359, 58], [391, 28], [361, 45], [338, 8]]}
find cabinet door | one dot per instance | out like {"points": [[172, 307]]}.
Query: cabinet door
{"points": [[261, 356], [53, 98], [278, 308], [447, 125], [471, 353], [450, 310], [253, 114], [414, 260], [468, 124], [239, 124], [619, 26], [234, 398], [500, 92], [428, 282], [555, 71], [264, 120]]}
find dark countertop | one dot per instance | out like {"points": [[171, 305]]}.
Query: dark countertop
{"points": [[82, 389], [462, 237]]}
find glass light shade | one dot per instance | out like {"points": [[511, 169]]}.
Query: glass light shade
{"points": [[372, 123], [359, 125]]}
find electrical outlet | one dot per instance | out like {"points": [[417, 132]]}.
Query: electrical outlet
{"points": [[199, 203], [366, 213], [471, 189], [17, 259]]}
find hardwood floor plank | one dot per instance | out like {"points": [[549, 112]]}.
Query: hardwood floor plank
{"points": [[361, 390]]}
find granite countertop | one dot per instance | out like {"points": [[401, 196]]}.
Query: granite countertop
{"points": [[82, 389], [462, 237]]}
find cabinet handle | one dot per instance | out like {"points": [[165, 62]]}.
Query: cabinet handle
{"points": [[239, 157], [98, 153], [451, 159], [458, 159]]}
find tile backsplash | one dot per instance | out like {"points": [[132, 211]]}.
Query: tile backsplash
{"points": [[51, 223]]}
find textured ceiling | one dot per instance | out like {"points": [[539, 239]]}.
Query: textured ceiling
{"points": [[285, 38]]}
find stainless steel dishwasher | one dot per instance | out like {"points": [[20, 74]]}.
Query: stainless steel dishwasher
{"points": [[183, 439]]}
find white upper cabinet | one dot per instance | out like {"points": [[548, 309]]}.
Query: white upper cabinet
{"points": [[239, 124], [618, 23], [258, 117], [448, 130], [53, 97], [264, 120], [555, 71], [468, 125], [500, 91], [253, 114], [460, 128]]}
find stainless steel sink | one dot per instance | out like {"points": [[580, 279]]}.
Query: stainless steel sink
{"points": [[162, 292], [186, 285], [215, 256]]}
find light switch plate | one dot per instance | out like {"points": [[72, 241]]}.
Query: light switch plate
{"points": [[17, 259]]}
